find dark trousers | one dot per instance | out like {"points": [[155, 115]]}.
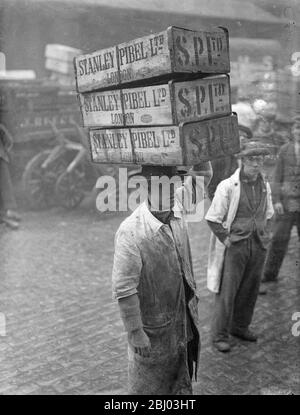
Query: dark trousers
{"points": [[7, 197], [234, 304], [281, 236]]}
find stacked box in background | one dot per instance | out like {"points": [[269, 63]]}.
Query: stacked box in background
{"points": [[163, 99], [59, 62]]}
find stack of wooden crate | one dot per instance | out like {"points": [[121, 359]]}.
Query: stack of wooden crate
{"points": [[163, 99]]}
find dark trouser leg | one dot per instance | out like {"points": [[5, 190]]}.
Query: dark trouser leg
{"points": [[298, 223], [236, 258], [7, 197], [247, 294], [282, 232]]}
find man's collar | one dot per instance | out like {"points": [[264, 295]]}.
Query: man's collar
{"points": [[236, 176], [164, 216], [151, 219]]}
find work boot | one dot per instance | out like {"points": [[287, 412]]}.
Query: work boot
{"points": [[222, 346], [247, 335], [262, 289]]}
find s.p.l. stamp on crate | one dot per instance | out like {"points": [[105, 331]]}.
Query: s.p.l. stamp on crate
{"points": [[170, 103], [172, 51]]}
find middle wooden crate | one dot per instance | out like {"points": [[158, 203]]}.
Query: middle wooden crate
{"points": [[170, 103]]}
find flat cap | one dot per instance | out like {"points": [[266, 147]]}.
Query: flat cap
{"points": [[253, 148]]}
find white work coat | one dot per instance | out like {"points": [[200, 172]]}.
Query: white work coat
{"points": [[223, 210]]}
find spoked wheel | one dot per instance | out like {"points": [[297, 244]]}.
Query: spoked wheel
{"points": [[70, 188], [38, 182]]}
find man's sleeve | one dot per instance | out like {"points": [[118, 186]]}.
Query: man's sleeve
{"points": [[220, 232], [127, 265], [218, 209]]}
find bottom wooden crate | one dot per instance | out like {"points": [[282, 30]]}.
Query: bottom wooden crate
{"points": [[186, 144]]}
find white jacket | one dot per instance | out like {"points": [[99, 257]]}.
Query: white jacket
{"points": [[223, 210]]}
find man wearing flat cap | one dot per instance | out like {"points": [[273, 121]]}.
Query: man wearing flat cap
{"points": [[239, 219], [286, 199], [154, 284]]}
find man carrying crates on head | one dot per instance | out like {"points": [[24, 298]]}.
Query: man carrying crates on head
{"points": [[154, 283]]}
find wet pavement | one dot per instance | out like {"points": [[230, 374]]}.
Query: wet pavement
{"points": [[63, 334]]}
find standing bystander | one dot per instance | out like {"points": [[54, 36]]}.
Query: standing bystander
{"points": [[238, 217], [286, 199]]}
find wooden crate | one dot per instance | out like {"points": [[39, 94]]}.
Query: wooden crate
{"points": [[186, 144], [60, 66], [165, 104], [173, 51], [61, 52]]}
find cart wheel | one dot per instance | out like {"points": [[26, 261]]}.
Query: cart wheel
{"points": [[38, 183], [70, 188]]}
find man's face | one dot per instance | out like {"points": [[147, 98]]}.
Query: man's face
{"points": [[296, 132], [253, 164], [161, 192]]}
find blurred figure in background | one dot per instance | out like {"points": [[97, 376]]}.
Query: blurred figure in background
{"points": [[224, 167], [8, 204], [286, 199], [264, 133], [245, 111], [273, 129], [282, 127], [264, 127]]}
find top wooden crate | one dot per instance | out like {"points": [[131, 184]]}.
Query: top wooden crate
{"points": [[173, 51]]}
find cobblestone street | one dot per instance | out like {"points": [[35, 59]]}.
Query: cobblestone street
{"points": [[64, 334]]}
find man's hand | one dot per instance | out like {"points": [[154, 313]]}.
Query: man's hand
{"points": [[279, 208], [227, 242], [140, 342]]}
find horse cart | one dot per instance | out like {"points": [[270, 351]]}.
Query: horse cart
{"points": [[49, 158]]}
